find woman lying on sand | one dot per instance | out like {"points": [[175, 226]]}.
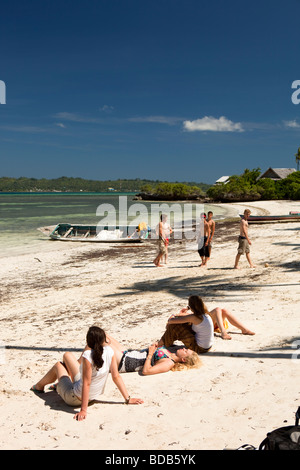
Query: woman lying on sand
{"points": [[196, 330], [153, 360], [83, 380]]}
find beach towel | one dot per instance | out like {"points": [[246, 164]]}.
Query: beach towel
{"points": [[226, 326]]}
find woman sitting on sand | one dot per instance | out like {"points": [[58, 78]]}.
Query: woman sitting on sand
{"points": [[153, 360], [84, 380], [196, 330]]}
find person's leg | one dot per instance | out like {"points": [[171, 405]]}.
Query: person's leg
{"points": [[57, 371], [116, 346], [179, 332], [72, 364], [237, 258], [201, 254], [217, 317], [158, 260], [206, 254], [114, 343], [206, 260], [249, 260], [235, 322], [166, 256]]}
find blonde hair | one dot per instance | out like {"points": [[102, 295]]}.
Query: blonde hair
{"points": [[191, 362]]}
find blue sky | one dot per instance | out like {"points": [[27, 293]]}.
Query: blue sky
{"points": [[176, 90]]}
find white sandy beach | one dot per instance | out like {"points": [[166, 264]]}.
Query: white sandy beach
{"points": [[245, 387]]}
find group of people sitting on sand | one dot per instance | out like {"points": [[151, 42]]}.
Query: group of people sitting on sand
{"points": [[80, 381]]}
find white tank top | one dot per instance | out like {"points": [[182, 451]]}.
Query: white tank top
{"points": [[204, 332], [99, 376]]}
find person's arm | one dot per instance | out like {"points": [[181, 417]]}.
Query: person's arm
{"points": [[213, 227], [161, 231], [208, 233], [86, 383], [160, 367], [120, 384], [190, 318], [183, 312]]}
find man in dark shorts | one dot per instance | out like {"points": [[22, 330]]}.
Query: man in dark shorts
{"points": [[203, 239], [212, 226]]}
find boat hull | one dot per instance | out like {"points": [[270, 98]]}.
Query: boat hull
{"points": [[90, 234], [265, 219]]}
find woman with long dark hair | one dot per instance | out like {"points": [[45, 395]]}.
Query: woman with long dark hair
{"points": [[81, 381], [194, 329]]}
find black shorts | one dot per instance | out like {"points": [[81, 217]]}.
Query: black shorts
{"points": [[204, 250]]}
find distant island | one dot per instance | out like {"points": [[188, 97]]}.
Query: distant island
{"points": [[173, 192], [70, 184], [238, 188]]}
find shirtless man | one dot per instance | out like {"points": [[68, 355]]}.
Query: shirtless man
{"points": [[212, 226], [162, 240], [203, 239], [244, 241]]}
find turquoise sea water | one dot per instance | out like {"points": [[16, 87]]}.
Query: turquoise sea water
{"points": [[21, 214]]}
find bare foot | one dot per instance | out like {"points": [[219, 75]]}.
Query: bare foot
{"points": [[248, 332], [35, 389], [225, 336]]}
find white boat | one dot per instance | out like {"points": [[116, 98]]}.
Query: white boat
{"points": [[91, 233]]}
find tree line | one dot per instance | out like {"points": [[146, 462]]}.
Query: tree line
{"points": [[173, 191], [245, 187], [70, 184], [248, 187]]}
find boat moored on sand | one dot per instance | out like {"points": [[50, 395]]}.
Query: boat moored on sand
{"points": [[92, 233], [293, 216]]}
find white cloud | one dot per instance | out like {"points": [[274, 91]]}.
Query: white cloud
{"points": [[106, 108], [292, 124], [60, 124], [209, 123]]}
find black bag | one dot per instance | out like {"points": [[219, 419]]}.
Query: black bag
{"points": [[285, 438]]}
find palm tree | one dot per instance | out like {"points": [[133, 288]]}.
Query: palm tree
{"points": [[297, 155]]}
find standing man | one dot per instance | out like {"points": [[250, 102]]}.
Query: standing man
{"points": [[162, 240], [204, 235], [244, 240], [212, 226]]}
